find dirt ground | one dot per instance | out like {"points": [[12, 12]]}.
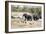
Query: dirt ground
{"points": [[20, 23], [17, 23]]}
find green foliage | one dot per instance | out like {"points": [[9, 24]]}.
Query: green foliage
{"points": [[27, 9]]}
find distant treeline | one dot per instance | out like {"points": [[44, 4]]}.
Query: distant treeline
{"points": [[34, 10]]}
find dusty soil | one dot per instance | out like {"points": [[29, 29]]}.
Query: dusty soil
{"points": [[17, 23], [20, 23]]}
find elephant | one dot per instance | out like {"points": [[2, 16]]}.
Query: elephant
{"points": [[36, 17], [27, 17]]}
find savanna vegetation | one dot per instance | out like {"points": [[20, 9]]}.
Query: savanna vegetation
{"points": [[34, 9]]}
